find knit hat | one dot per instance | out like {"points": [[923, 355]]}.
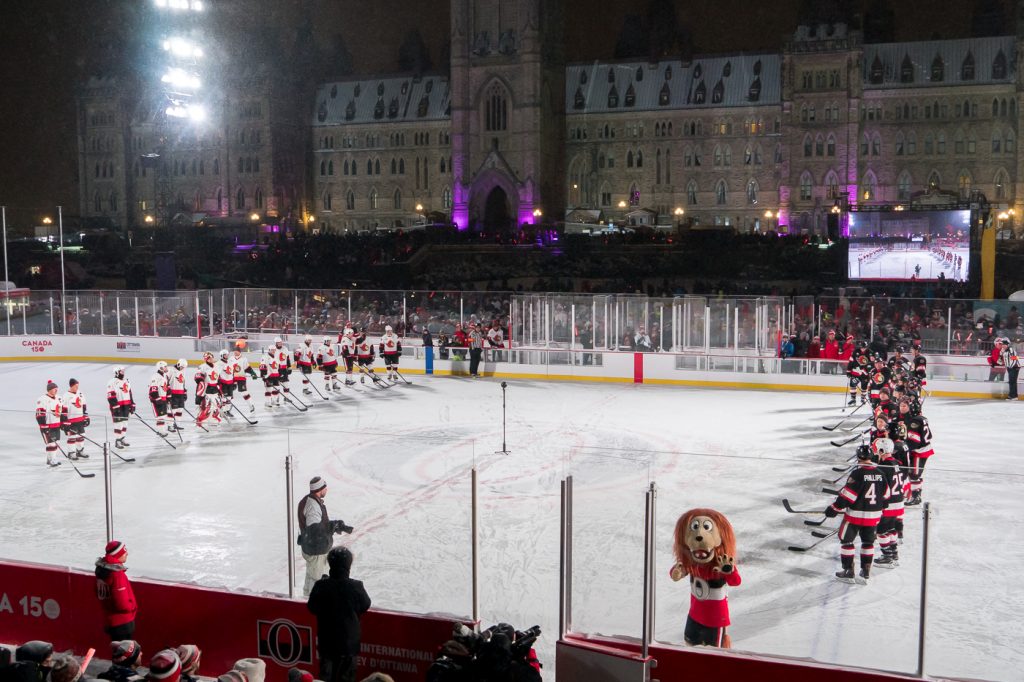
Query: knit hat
{"points": [[317, 483], [50, 385], [35, 650], [164, 667], [233, 676], [254, 669], [297, 675], [115, 552], [65, 669], [378, 677], [189, 655], [125, 652]]}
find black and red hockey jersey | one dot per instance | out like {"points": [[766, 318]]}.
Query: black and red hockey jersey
{"points": [[919, 437], [863, 497], [896, 483]]}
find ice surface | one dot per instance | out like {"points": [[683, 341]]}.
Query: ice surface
{"points": [[213, 511], [901, 264]]}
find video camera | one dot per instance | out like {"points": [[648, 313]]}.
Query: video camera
{"points": [[340, 527]]}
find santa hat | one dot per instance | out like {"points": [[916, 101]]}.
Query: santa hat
{"points": [[189, 655], [317, 483], [165, 667], [65, 669], [115, 552], [125, 652], [254, 669], [298, 675]]}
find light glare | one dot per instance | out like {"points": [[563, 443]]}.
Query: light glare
{"points": [[181, 79]]}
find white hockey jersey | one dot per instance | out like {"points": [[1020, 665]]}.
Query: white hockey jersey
{"points": [[74, 406], [304, 354], [283, 356], [176, 381], [119, 392], [239, 366], [390, 344], [325, 355], [348, 347], [225, 371], [49, 409], [158, 387], [269, 367]]}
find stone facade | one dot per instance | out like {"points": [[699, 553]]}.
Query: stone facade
{"points": [[750, 141]]}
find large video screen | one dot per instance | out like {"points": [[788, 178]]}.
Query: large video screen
{"points": [[909, 245]]}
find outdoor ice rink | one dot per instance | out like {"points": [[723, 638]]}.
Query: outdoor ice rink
{"points": [[213, 511], [901, 264]]}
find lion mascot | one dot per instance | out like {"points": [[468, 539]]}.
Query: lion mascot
{"points": [[705, 549]]}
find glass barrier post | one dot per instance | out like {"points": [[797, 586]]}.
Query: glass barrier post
{"points": [[949, 330], [649, 553], [872, 323], [245, 309], [736, 331], [295, 304], [289, 474], [475, 540], [199, 320], [117, 314], [137, 315], [108, 493], [924, 592], [51, 315], [155, 332], [102, 330], [565, 561]]}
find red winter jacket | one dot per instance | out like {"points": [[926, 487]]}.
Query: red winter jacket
{"points": [[831, 349], [115, 593]]}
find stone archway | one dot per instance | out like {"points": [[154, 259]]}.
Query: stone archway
{"points": [[494, 201], [496, 210]]}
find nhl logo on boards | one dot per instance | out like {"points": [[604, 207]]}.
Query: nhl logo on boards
{"points": [[285, 643]]}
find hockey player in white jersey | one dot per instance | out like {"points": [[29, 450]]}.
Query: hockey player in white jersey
{"points": [[348, 353], [271, 375], [242, 370], [327, 360], [207, 391], [178, 393], [305, 354], [225, 367], [391, 351], [158, 393], [74, 418], [48, 416], [284, 362], [122, 405]]}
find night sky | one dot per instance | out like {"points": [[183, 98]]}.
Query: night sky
{"points": [[51, 46]]}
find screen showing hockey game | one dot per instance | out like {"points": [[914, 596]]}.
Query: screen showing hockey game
{"points": [[909, 245]]}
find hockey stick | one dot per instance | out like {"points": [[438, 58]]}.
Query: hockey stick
{"points": [[193, 417], [297, 398], [109, 449], [830, 491], [177, 429], [833, 481], [824, 533], [313, 386], [399, 374], [252, 422], [843, 420], [789, 508], [808, 522], [288, 399], [859, 424], [850, 439], [377, 381], [72, 463], [797, 548], [150, 427]]}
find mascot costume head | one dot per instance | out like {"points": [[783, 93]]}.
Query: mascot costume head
{"points": [[704, 545]]}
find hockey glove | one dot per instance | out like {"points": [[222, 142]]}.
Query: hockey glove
{"points": [[86, 421], [831, 512], [131, 407]]}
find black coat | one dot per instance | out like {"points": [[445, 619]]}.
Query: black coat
{"points": [[337, 601]]}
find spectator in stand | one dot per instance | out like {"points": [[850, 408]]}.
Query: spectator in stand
{"points": [[254, 669], [1008, 359], [830, 351], [124, 661], [495, 340], [165, 666], [338, 601], [642, 342], [65, 669], [586, 340], [189, 655], [996, 371], [378, 677], [32, 662], [476, 349], [814, 348], [459, 340], [788, 347], [115, 592]]}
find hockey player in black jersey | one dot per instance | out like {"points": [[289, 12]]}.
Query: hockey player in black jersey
{"points": [[861, 501], [878, 378], [857, 371], [890, 528]]}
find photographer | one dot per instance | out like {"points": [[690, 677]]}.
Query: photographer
{"points": [[338, 601], [498, 654], [316, 532]]}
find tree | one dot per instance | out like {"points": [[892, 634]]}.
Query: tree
{"points": [[988, 18], [413, 54]]}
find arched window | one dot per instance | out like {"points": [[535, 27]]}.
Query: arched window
{"points": [[97, 202], [963, 183], [640, 158], [496, 109], [326, 200], [752, 191], [112, 201], [911, 143], [344, 167], [376, 167], [691, 193], [721, 193], [876, 145], [369, 166], [446, 198], [397, 199], [442, 164], [758, 155], [330, 167], [629, 159], [999, 66], [373, 199], [216, 166], [220, 200], [934, 180], [938, 69], [718, 156], [748, 156], [900, 144], [832, 185], [929, 144], [997, 141], [401, 166], [819, 146], [869, 187], [394, 166], [257, 198], [350, 200], [1002, 183], [1010, 144], [808, 145], [903, 186], [995, 107], [865, 145], [805, 186], [240, 199], [958, 142], [727, 154]]}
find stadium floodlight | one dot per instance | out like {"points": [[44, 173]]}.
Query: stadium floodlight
{"points": [[197, 113], [182, 47], [176, 111], [180, 78], [186, 5]]}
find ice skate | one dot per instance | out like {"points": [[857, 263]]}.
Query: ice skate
{"points": [[252, 407], [845, 575], [887, 561], [73, 456], [349, 382], [853, 401], [52, 461], [915, 499], [80, 451], [865, 573]]}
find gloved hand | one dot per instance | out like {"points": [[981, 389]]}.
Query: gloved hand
{"points": [[86, 421], [340, 527], [131, 407], [830, 512]]}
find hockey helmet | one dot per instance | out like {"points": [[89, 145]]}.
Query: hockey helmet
{"points": [[224, 354], [161, 366], [348, 331], [240, 344], [327, 340], [882, 446], [277, 340], [308, 339], [270, 350], [207, 356], [864, 452], [118, 371], [387, 328], [182, 363]]}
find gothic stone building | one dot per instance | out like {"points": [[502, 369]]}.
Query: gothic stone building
{"points": [[750, 141]]}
